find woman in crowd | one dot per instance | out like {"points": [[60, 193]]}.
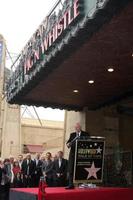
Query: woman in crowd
{"points": [[17, 181]]}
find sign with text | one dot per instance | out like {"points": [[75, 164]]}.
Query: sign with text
{"points": [[89, 157], [49, 31]]}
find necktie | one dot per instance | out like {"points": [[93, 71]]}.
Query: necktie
{"points": [[28, 162], [20, 164], [36, 162], [78, 134], [59, 163]]}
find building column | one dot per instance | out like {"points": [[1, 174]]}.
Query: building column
{"points": [[11, 130], [105, 123]]}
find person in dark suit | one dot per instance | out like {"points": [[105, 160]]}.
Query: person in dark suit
{"points": [[0, 174], [20, 160], [71, 143], [47, 169], [2, 187], [28, 171], [60, 170], [38, 170], [5, 180]]}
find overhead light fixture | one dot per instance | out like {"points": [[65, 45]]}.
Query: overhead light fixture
{"points": [[91, 81], [75, 91], [132, 54], [110, 69]]}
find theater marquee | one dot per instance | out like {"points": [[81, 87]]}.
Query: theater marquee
{"points": [[49, 31]]}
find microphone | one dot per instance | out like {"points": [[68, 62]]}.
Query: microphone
{"points": [[71, 143]]}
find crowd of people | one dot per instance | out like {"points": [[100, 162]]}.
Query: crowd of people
{"points": [[26, 172]]}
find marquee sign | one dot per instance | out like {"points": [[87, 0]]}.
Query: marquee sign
{"points": [[49, 31], [89, 158]]}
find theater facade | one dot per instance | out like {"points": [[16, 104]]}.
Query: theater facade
{"points": [[81, 59]]}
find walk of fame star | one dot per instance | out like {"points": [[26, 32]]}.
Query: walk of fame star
{"points": [[92, 171], [99, 150]]}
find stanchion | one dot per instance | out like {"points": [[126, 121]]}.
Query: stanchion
{"points": [[42, 186]]}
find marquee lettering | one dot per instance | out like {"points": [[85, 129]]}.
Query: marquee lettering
{"points": [[47, 39]]}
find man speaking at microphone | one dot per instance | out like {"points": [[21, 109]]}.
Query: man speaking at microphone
{"points": [[71, 143]]}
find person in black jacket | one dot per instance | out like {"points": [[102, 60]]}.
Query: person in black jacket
{"points": [[1, 166], [71, 143], [28, 171], [2, 186], [60, 170], [4, 180], [38, 170]]}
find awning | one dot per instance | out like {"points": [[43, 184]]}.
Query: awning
{"points": [[29, 148], [75, 73]]}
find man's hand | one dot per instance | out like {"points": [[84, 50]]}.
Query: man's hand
{"points": [[44, 174], [69, 145], [58, 174], [26, 176]]}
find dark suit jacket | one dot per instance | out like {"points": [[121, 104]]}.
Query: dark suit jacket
{"points": [[60, 181], [31, 167], [3, 171], [38, 167], [62, 169], [0, 175], [83, 135]]}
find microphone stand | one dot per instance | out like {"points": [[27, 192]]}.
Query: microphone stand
{"points": [[71, 143]]}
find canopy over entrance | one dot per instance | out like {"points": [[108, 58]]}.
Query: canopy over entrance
{"points": [[85, 61]]}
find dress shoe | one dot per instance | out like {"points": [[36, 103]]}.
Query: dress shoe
{"points": [[69, 187]]}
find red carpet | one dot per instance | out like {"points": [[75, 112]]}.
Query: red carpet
{"points": [[90, 194], [79, 194]]}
